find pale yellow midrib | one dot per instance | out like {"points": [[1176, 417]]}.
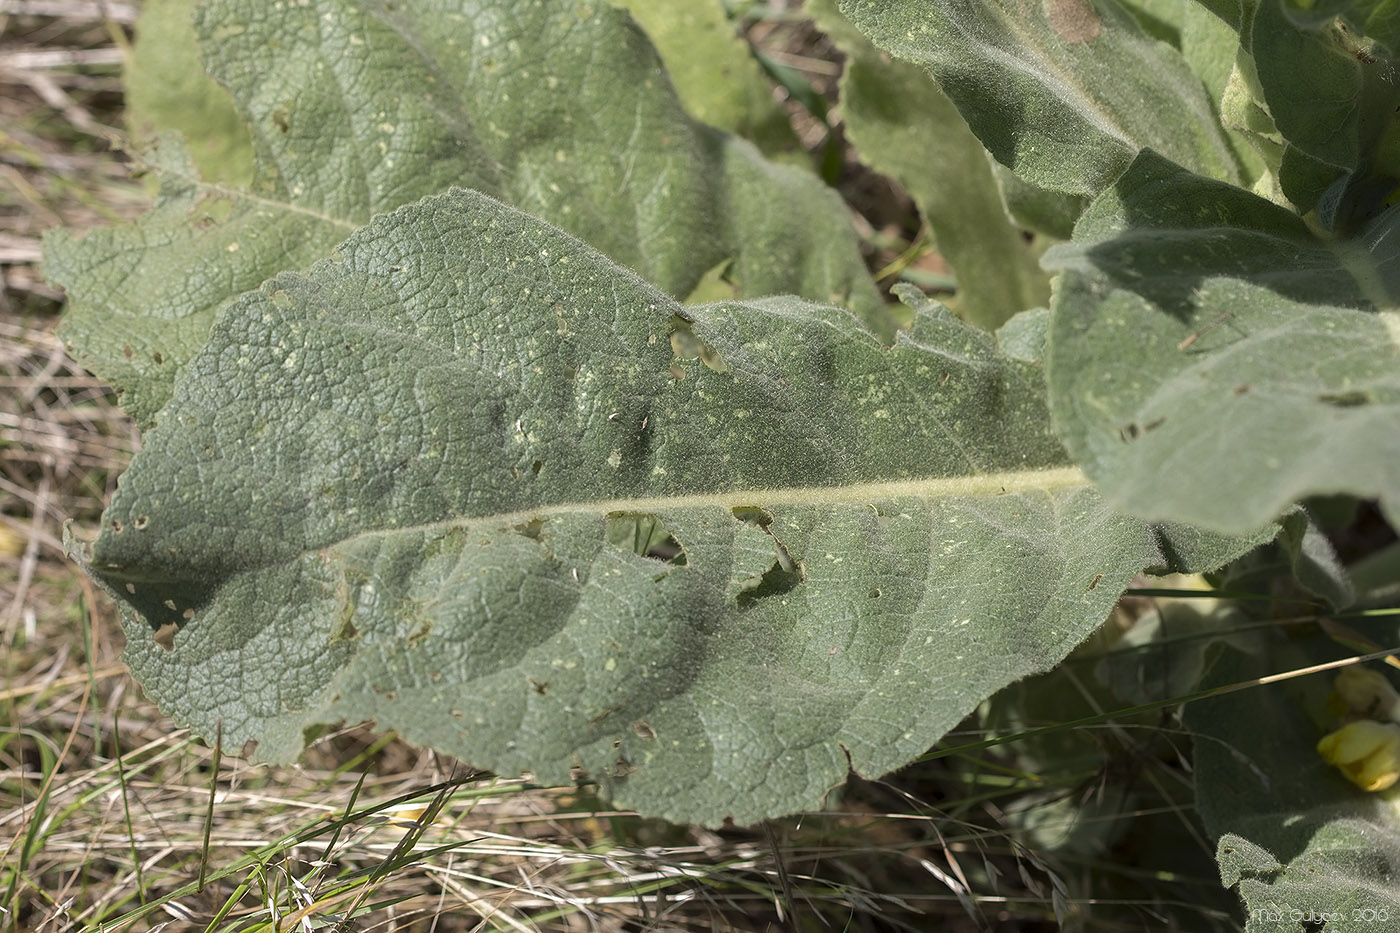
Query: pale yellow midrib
{"points": [[986, 484]]}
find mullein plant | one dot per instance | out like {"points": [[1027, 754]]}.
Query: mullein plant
{"points": [[718, 556]]}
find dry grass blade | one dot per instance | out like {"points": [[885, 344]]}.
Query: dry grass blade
{"points": [[83, 11]]}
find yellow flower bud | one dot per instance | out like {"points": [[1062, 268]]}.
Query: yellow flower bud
{"points": [[1367, 693], [1367, 752]]}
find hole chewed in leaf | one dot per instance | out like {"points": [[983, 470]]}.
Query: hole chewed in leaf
{"points": [[687, 346], [346, 631], [164, 636], [775, 582], [752, 515], [646, 535], [782, 575], [533, 529]]}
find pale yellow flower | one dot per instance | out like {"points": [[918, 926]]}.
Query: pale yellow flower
{"points": [[1366, 692], [1366, 751]]}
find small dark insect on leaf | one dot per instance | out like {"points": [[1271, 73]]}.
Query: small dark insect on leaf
{"points": [[1093, 584]]}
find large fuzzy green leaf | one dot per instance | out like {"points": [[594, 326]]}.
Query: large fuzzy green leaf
{"points": [[1213, 362], [358, 106], [1306, 850], [905, 127], [474, 481], [1065, 92]]}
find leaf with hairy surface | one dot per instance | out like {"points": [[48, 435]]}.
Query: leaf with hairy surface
{"points": [[357, 107], [1065, 92], [470, 479], [1212, 361]]}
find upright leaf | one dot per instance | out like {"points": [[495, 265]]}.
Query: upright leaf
{"points": [[359, 106], [905, 127], [1050, 213], [1161, 19], [167, 89], [714, 71], [426, 484], [1212, 48], [1332, 94], [1211, 361], [1311, 84], [1065, 92], [1234, 13]]}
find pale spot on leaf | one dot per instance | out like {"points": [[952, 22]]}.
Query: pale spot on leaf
{"points": [[1074, 21]]}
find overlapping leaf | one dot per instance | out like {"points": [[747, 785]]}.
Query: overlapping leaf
{"points": [[1311, 85], [1065, 92], [358, 106], [907, 128], [715, 73], [1376, 19], [1213, 361], [1325, 88], [470, 479], [167, 89]]}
